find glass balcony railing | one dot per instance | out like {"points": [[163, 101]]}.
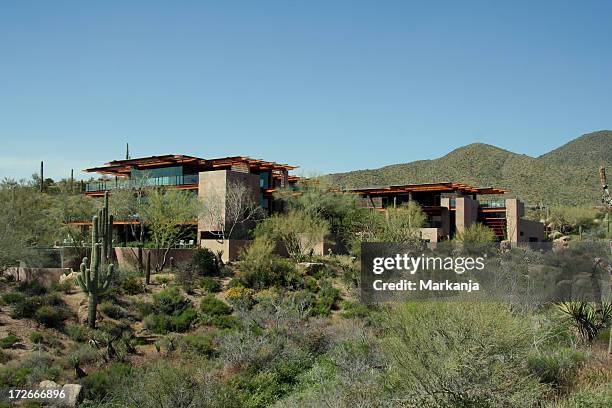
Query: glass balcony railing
{"points": [[105, 185], [493, 204]]}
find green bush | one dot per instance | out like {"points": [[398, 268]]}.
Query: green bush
{"points": [[212, 306], [112, 310], [27, 307], [8, 341], [99, 385], [170, 300], [65, 287], [76, 332], [4, 357], [36, 337], [32, 288], [13, 376], [354, 310], [557, 367], [163, 323], [460, 354], [261, 269], [210, 285], [51, 316], [326, 300], [82, 354], [131, 286], [205, 262], [13, 298], [199, 343], [221, 321]]}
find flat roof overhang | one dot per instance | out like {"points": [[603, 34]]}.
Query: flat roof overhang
{"points": [[427, 187], [122, 168]]}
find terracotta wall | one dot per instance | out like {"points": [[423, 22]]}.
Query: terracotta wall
{"points": [[46, 276], [127, 258]]}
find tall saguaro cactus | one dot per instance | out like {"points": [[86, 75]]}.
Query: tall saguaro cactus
{"points": [[90, 279]]}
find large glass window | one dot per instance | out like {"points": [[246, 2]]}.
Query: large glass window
{"points": [[264, 179]]}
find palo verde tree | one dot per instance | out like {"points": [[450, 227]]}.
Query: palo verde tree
{"points": [[127, 206], [91, 280], [169, 214]]}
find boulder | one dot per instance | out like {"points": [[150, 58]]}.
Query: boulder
{"points": [[72, 393]]}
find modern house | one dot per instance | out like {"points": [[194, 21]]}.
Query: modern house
{"points": [[451, 207], [206, 178]]}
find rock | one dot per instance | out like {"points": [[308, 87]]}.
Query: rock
{"points": [[48, 384], [73, 394]]}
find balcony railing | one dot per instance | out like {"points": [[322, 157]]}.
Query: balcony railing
{"points": [[493, 204], [105, 185]]}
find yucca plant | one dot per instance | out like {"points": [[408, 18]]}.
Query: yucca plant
{"points": [[587, 318]]}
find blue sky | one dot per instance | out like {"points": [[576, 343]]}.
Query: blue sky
{"points": [[327, 85]]}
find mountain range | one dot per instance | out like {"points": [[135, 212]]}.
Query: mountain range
{"points": [[566, 175]]}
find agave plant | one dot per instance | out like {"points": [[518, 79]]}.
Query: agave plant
{"points": [[587, 318]]}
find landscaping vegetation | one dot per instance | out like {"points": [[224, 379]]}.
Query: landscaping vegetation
{"points": [[269, 330]]}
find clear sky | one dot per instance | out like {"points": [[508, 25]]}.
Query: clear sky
{"points": [[327, 85]]}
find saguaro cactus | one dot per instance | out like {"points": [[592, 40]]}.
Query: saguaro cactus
{"points": [[90, 279]]}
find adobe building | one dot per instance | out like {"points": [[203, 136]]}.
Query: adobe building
{"points": [[452, 207]]}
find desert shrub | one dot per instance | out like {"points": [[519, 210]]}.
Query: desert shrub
{"points": [[240, 297], [182, 322], [221, 321], [298, 230], [476, 234], [65, 287], [557, 367], [178, 322], [112, 310], [158, 323], [170, 300], [82, 354], [36, 337], [199, 343], [42, 367], [4, 357], [210, 285], [13, 376], [13, 298], [460, 354], [98, 385], [326, 300], [143, 308], [205, 262], [598, 397], [51, 316], [76, 332], [261, 268], [354, 310], [185, 275], [27, 307], [32, 288], [210, 305], [8, 341], [131, 286], [164, 384]]}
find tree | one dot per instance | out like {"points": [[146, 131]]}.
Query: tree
{"points": [[168, 214], [128, 205], [298, 230], [340, 210], [230, 211], [25, 222], [399, 224]]}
